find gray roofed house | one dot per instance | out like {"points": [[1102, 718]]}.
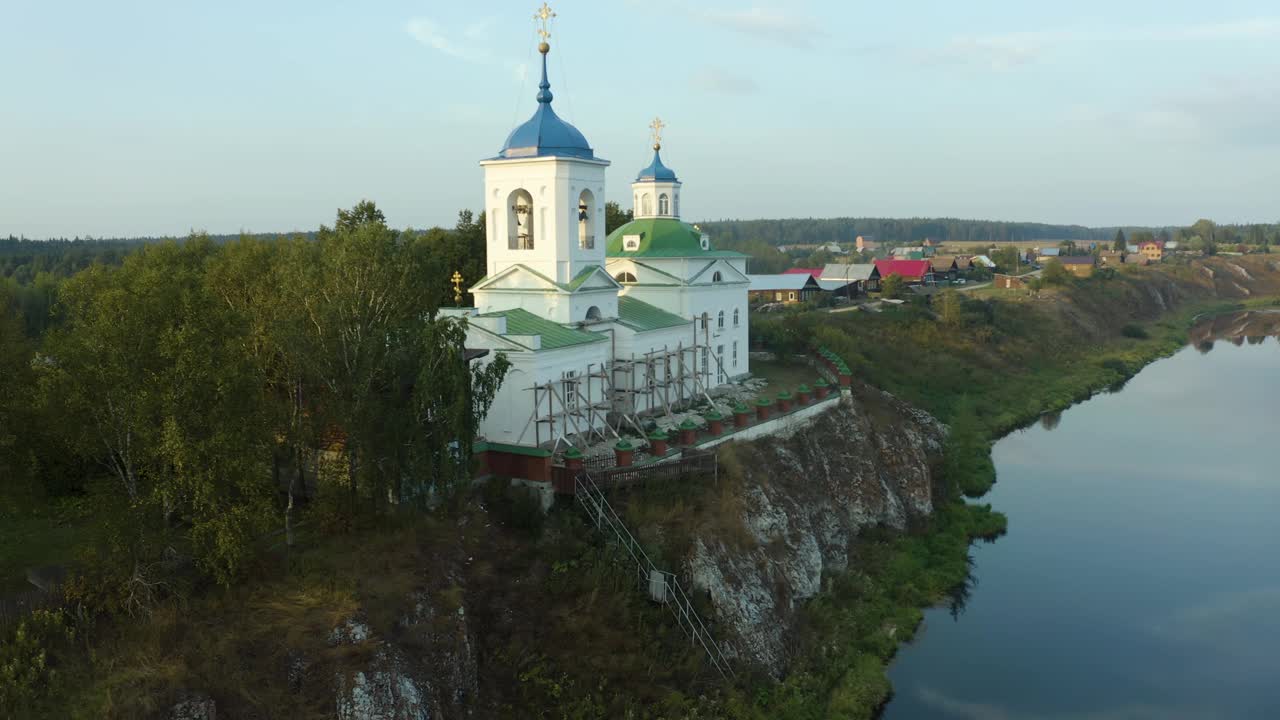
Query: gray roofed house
{"points": [[784, 287], [849, 278]]}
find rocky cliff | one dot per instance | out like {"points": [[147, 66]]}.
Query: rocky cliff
{"points": [[806, 497]]}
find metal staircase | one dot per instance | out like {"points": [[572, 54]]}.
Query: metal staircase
{"points": [[663, 586]]}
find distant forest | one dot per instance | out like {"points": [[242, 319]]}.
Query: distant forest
{"points": [[817, 231]]}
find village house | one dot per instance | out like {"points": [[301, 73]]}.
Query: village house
{"points": [[1152, 250], [913, 272], [1079, 265], [1044, 255], [866, 243], [945, 267], [783, 288], [850, 279]]}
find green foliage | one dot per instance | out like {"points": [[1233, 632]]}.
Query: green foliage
{"points": [[29, 661], [1120, 243], [1055, 273], [615, 217], [893, 287], [1132, 330], [967, 465]]}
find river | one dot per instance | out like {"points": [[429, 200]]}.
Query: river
{"points": [[1140, 577]]}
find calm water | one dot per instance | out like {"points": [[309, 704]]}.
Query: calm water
{"points": [[1141, 574]]}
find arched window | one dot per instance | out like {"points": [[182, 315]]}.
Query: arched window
{"points": [[720, 321], [586, 220], [675, 205], [593, 313], [717, 277], [706, 320], [625, 277], [664, 204], [646, 204], [520, 220], [735, 317]]}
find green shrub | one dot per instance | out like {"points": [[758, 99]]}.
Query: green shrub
{"points": [[1136, 332]]}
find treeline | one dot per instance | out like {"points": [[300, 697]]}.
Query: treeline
{"points": [[817, 231], [193, 389], [743, 234]]}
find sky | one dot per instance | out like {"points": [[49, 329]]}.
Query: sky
{"points": [[136, 118]]}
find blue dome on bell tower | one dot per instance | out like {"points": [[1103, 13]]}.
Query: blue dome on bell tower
{"points": [[545, 134]]}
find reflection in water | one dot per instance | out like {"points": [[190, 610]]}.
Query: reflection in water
{"points": [[1140, 581], [1050, 420], [1253, 325]]}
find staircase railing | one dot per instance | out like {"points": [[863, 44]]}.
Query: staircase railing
{"points": [[663, 586]]}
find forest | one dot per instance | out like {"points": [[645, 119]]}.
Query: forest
{"points": [[188, 390]]}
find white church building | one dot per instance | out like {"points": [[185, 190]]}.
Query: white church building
{"points": [[601, 332]]}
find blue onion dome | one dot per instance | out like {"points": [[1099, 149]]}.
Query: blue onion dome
{"points": [[545, 134], [657, 172]]}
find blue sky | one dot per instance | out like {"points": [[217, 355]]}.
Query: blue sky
{"points": [[133, 117]]}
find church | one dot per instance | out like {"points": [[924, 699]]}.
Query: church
{"points": [[602, 333]]}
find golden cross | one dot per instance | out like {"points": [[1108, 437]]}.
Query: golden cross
{"points": [[457, 287], [543, 16], [656, 126]]}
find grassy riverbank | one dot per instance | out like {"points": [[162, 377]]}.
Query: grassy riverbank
{"points": [[1004, 364]]}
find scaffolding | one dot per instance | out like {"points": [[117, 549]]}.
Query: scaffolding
{"points": [[600, 402]]}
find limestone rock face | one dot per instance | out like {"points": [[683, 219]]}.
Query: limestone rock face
{"points": [[426, 670], [194, 706], [807, 496]]}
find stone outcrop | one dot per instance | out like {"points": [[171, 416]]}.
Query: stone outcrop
{"points": [[807, 496], [427, 670]]}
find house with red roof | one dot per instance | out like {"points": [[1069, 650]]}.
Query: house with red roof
{"points": [[913, 272], [815, 272]]}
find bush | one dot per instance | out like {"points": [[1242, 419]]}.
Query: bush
{"points": [[1134, 331]]}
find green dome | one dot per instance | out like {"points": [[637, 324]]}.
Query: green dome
{"points": [[660, 237]]}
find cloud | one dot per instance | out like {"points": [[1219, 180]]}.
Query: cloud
{"points": [[469, 48], [718, 80], [997, 52], [1263, 27], [775, 26], [429, 33]]}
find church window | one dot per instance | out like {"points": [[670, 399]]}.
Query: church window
{"points": [[720, 377], [586, 220], [646, 204], [593, 313], [664, 204], [717, 277], [706, 320], [735, 348], [675, 205], [735, 318], [630, 243], [720, 321], [625, 277], [520, 221]]}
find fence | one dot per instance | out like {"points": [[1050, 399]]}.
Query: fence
{"points": [[662, 586]]}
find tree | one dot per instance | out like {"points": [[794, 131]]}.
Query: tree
{"points": [[1120, 244], [615, 217], [1006, 258], [892, 287], [1055, 273]]}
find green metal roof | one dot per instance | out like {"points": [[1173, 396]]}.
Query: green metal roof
{"points": [[641, 316], [554, 335], [662, 237]]}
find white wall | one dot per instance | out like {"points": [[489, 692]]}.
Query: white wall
{"points": [[555, 185]]}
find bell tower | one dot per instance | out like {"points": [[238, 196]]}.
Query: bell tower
{"points": [[544, 191], [656, 190]]}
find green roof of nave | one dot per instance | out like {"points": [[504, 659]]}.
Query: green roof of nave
{"points": [[662, 237], [554, 335], [641, 316]]}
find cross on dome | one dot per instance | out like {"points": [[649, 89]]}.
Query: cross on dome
{"points": [[656, 132]]}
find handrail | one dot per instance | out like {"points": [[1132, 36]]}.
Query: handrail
{"points": [[593, 500]]}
